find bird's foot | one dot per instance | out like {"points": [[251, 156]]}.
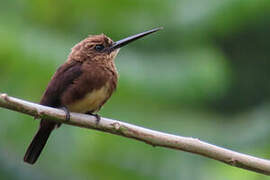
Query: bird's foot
{"points": [[96, 115], [64, 108]]}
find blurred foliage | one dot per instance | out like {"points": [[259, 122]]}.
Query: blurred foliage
{"points": [[205, 75]]}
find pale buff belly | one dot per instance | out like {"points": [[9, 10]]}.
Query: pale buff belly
{"points": [[91, 102]]}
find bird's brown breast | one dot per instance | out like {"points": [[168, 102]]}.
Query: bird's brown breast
{"points": [[91, 89]]}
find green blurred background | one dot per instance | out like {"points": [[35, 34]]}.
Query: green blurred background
{"points": [[206, 75]]}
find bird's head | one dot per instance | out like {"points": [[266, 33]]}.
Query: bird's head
{"points": [[102, 48]]}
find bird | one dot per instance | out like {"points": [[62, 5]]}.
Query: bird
{"points": [[82, 84]]}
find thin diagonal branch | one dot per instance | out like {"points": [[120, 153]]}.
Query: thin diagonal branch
{"points": [[148, 136]]}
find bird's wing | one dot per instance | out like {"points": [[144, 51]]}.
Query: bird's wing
{"points": [[61, 80]]}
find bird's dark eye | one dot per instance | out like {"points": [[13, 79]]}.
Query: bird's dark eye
{"points": [[99, 47]]}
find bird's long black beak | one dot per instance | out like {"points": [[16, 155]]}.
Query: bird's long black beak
{"points": [[125, 41]]}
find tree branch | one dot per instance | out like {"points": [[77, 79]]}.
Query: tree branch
{"points": [[148, 136]]}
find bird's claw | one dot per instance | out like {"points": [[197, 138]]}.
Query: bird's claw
{"points": [[96, 115], [64, 108]]}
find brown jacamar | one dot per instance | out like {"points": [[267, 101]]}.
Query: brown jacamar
{"points": [[82, 84]]}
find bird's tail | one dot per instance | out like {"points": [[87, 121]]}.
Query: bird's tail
{"points": [[37, 144]]}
